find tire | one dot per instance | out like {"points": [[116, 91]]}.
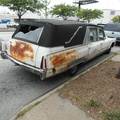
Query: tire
{"points": [[108, 51], [73, 70]]}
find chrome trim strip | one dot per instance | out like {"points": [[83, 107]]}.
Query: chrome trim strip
{"points": [[66, 42]]}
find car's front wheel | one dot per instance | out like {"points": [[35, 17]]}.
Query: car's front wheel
{"points": [[108, 51]]}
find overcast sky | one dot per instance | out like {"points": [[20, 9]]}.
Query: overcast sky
{"points": [[102, 4]]}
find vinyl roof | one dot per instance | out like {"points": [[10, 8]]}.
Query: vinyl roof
{"points": [[56, 22], [59, 32]]}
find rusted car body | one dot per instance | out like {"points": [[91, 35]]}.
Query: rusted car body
{"points": [[49, 47]]}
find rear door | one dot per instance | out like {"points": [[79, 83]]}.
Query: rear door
{"points": [[24, 44], [105, 42], [94, 45]]}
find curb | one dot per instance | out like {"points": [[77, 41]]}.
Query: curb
{"points": [[61, 86]]}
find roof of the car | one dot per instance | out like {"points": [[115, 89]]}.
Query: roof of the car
{"points": [[59, 22], [56, 22]]}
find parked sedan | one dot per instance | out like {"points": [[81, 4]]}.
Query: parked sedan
{"points": [[12, 25]]}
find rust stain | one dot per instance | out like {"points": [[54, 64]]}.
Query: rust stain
{"points": [[85, 58], [62, 58], [53, 71], [58, 69], [63, 68], [21, 50]]}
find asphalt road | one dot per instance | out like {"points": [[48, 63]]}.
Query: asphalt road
{"points": [[19, 87]]}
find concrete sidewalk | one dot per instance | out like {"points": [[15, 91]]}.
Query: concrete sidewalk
{"points": [[53, 107]]}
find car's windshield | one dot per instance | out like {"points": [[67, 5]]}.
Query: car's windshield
{"points": [[29, 33], [112, 27]]}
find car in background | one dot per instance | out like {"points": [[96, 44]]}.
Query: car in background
{"points": [[112, 30], [100, 24], [12, 25]]}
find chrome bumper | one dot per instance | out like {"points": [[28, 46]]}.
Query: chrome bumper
{"points": [[38, 71]]}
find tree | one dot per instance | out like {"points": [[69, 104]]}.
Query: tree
{"points": [[116, 19], [64, 11], [45, 9], [89, 15], [20, 7]]}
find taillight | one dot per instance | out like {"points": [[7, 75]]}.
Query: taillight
{"points": [[43, 63]]}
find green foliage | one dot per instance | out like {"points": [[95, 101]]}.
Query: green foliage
{"points": [[92, 103], [116, 19], [64, 11], [112, 115], [45, 9], [22, 6], [88, 14]]}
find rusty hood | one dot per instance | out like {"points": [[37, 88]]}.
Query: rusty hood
{"points": [[23, 51]]}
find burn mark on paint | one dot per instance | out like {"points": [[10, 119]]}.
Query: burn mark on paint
{"points": [[21, 50], [62, 58]]}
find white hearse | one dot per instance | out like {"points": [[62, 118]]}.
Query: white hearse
{"points": [[49, 47]]}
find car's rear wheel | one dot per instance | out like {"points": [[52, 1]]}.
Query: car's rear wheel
{"points": [[73, 70]]}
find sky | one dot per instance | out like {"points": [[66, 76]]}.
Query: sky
{"points": [[102, 4]]}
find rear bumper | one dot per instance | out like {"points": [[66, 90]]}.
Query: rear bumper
{"points": [[38, 71]]}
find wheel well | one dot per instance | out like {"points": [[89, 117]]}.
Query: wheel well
{"points": [[112, 44]]}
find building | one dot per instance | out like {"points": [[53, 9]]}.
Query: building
{"points": [[108, 14], [7, 16]]}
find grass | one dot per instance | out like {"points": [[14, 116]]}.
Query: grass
{"points": [[92, 103], [66, 91], [70, 94], [76, 98], [115, 115], [23, 112]]}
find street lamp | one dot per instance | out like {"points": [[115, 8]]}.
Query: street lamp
{"points": [[84, 2]]}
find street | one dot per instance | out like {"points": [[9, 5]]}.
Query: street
{"points": [[19, 87], [5, 35]]}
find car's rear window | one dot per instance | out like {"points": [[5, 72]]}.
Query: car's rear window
{"points": [[29, 33], [112, 27]]}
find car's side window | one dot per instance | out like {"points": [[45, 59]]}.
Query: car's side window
{"points": [[93, 35], [101, 34]]}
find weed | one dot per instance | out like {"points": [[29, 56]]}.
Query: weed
{"points": [[92, 103], [23, 112], [66, 91], [115, 115], [76, 98]]}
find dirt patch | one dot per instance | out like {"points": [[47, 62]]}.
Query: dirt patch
{"points": [[99, 84]]}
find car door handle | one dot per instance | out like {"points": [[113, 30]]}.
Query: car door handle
{"points": [[112, 32]]}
